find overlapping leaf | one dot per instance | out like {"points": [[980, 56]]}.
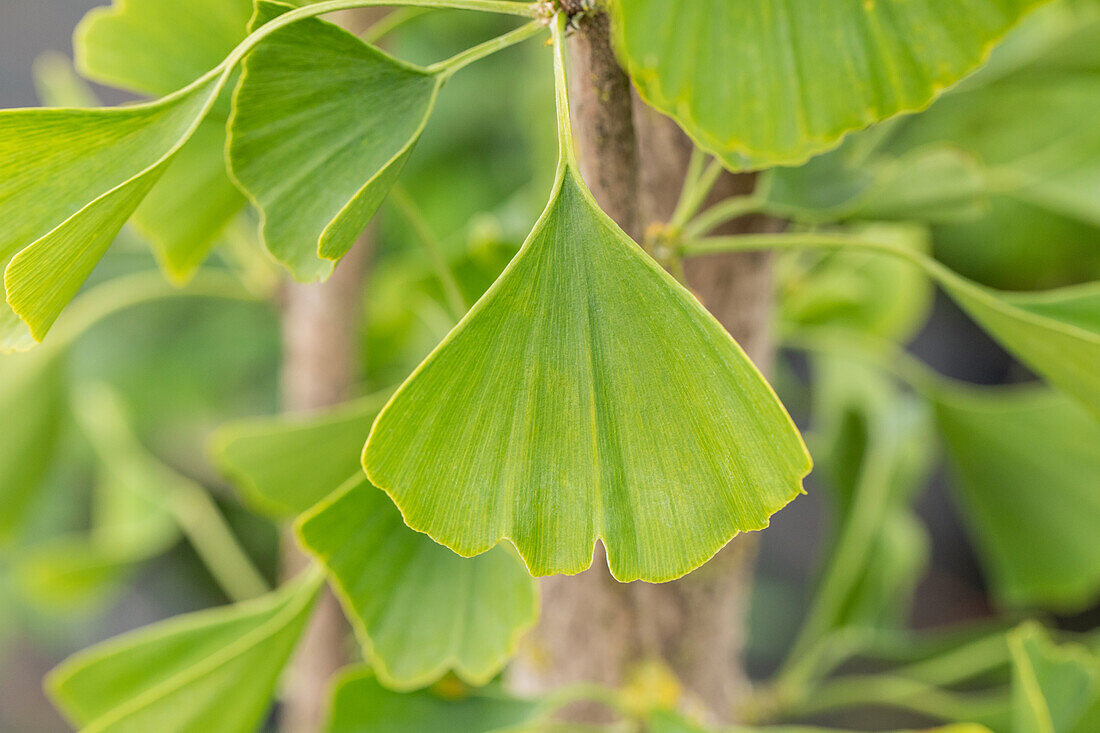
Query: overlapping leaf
{"points": [[361, 705], [774, 82], [322, 125], [1055, 689], [587, 396], [208, 671], [1026, 466], [154, 47], [934, 183], [418, 608], [284, 465], [69, 180]]}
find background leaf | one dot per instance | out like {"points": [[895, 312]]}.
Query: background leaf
{"points": [[209, 671], [286, 464], [418, 608], [361, 705], [774, 82], [32, 399], [1026, 465], [1055, 689]]}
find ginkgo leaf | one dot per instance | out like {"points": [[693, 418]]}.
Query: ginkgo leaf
{"points": [[69, 180], [213, 670], [361, 705], [32, 400], [419, 609], [1055, 689], [587, 396], [155, 47], [773, 82], [190, 207], [322, 125], [1026, 462], [1054, 333], [286, 464]]}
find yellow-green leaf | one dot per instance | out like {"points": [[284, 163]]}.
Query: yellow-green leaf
{"points": [[157, 46], [286, 464], [69, 180], [419, 609], [209, 671], [322, 125], [773, 82], [361, 705], [587, 396], [1026, 463], [1055, 689]]}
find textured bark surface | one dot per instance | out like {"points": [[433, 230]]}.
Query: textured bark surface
{"points": [[593, 628], [599, 94], [320, 324], [320, 362]]}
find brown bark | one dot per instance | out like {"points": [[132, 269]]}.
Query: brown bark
{"points": [[320, 324], [599, 94], [320, 360], [593, 628]]}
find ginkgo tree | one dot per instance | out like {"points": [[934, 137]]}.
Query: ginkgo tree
{"points": [[588, 400]]}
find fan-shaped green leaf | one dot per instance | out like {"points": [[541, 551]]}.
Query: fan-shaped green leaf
{"points": [[157, 46], [587, 396], [209, 671], [189, 208], [32, 398], [773, 82], [1054, 333], [361, 705], [322, 125], [1026, 464], [154, 47], [286, 464], [1055, 689], [69, 180], [418, 608]]}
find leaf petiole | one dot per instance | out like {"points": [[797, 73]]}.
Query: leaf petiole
{"points": [[698, 183], [722, 212], [459, 61]]}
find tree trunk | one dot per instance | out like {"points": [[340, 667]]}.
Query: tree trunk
{"points": [[320, 324], [593, 628], [320, 363]]}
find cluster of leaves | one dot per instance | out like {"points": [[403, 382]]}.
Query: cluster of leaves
{"points": [[594, 397]]}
